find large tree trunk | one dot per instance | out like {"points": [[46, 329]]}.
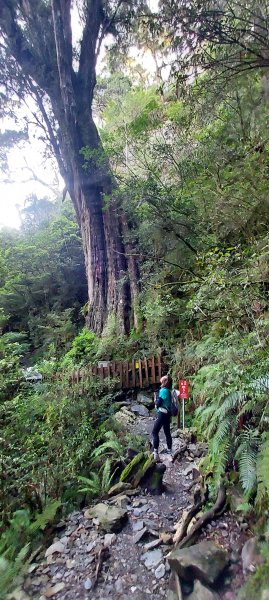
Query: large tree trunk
{"points": [[109, 287], [109, 280], [38, 35]]}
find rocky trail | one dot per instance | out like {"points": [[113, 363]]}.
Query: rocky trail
{"points": [[118, 549]]}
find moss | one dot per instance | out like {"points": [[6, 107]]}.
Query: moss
{"points": [[128, 471], [149, 462]]}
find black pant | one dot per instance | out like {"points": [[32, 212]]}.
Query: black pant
{"points": [[163, 420]]}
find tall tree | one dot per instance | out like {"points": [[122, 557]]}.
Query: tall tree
{"points": [[40, 58]]}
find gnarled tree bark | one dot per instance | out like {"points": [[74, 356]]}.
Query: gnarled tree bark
{"points": [[38, 36]]}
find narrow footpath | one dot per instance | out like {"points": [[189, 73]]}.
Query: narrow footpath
{"points": [[84, 563]]}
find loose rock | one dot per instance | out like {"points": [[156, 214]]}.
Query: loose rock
{"points": [[152, 558], [88, 584], [140, 409], [111, 518], [160, 571], [204, 561], [251, 555], [57, 547]]}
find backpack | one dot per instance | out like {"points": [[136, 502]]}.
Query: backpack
{"points": [[173, 406]]}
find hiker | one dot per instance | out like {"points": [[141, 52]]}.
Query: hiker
{"points": [[163, 405]]}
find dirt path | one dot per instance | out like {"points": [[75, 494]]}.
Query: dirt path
{"points": [[69, 573]]}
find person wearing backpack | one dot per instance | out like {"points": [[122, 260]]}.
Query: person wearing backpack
{"points": [[163, 403]]}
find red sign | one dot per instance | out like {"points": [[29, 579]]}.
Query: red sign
{"points": [[184, 388]]}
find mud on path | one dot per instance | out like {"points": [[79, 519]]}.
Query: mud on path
{"points": [[126, 572]]}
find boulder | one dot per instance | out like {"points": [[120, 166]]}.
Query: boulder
{"points": [[140, 409], [236, 498], [202, 592], [204, 561], [251, 555], [111, 518], [145, 399]]}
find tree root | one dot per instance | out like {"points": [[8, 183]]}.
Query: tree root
{"points": [[102, 554], [200, 498], [213, 512]]}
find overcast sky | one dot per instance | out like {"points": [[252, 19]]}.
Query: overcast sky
{"points": [[14, 194]]}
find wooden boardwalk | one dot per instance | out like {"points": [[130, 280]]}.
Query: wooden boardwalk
{"points": [[140, 373]]}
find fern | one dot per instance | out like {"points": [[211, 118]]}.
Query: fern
{"points": [[92, 484], [98, 483], [261, 384], [246, 454], [47, 516], [111, 447], [231, 402], [223, 433], [262, 472], [107, 476], [9, 570]]}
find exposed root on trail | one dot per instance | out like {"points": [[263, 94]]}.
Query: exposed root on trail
{"points": [[182, 528], [215, 511]]}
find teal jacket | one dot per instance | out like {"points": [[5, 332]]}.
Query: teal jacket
{"points": [[165, 394]]}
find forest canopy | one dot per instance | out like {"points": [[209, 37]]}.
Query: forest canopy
{"points": [[160, 244]]}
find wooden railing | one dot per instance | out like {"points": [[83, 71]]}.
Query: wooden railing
{"points": [[139, 373]]}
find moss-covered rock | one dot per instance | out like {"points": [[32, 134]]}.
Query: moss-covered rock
{"points": [[143, 470]]}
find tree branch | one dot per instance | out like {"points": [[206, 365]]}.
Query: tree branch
{"points": [[87, 61]]}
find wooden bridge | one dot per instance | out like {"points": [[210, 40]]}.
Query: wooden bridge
{"points": [[140, 373]]}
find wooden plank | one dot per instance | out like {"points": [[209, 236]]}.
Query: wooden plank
{"points": [[121, 374], [101, 373], [113, 369], [153, 374], [159, 364], [146, 372], [127, 374], [140, 374], [133, 373]]}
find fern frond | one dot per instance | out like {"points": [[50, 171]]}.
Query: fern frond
{"points": [[221, 459], [230, 403], [223, 433], [261, 384], [93, 484], [107, 476], [246, 454], [47, 516], [262, 472]]}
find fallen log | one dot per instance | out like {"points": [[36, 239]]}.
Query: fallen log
{"points": [[212, 513]]}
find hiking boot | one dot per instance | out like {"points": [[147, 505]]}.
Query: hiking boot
{"points": [[170, 454], [156, 455]]}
